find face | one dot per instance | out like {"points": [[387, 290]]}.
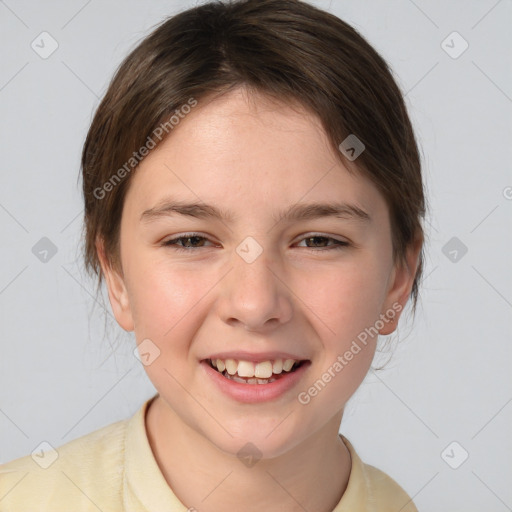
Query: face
{"points": [[247, 280]]}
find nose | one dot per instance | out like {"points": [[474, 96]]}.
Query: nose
{"points": [[255, 296]]}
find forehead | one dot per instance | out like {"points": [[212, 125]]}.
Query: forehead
{"points": [[248, 150]]}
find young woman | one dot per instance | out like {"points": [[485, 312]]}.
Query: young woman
{"points": [[254, 204]]}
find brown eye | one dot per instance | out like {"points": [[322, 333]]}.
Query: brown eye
{"points": [[190, 241], [320, 242]]}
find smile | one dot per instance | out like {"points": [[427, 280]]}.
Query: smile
{"points": [[247, 372], [252, 382]]}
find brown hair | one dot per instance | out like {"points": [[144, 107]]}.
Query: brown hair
{"points": [[288, 49]]}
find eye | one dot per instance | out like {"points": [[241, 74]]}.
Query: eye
{"points": [[191, 241], [317, 238]]}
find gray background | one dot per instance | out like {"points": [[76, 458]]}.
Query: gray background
{"points": [[64, 372]]}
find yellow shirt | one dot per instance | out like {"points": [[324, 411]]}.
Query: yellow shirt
{"points": [[113, 469]]}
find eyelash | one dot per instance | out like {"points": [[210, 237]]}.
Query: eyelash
{"points": [[340, 244]]}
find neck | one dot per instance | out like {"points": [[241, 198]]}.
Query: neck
{"points": [[311, 476]]}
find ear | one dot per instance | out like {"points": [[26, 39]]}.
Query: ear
{"points": [[117, 291], [400, 285]]}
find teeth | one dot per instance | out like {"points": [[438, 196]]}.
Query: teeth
{"points": [[287, 365], [246, 369], [262, 370], [231, 366], [248, 381], [277, 367]]}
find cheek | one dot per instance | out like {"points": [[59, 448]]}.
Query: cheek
{"points": [[345, 302], [163, 301], [345, 297], [166, 309]]}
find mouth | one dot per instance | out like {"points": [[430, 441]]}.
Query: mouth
{"points": [[255, 373]]}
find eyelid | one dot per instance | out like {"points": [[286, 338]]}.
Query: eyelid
{"points": [[185, 235], [313, 234], [339, 244]]}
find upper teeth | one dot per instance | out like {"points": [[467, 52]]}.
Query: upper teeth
{"points": [[262, 370]]}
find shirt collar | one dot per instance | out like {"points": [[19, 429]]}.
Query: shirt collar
{"points": [[145, 488]]}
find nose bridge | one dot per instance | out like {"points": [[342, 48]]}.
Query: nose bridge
{"points": [[255, 295]]}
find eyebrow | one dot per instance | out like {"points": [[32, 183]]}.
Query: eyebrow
{"points": [[297, 212]]}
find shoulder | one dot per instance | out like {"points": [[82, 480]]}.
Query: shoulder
{"points": [[86, 471], [382, 489], [370, 489]]}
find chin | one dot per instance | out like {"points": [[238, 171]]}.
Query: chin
{"points": [[263, 438]]}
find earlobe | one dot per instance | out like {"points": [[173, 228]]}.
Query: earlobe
{"points": [[117, 292], [402, 281]]}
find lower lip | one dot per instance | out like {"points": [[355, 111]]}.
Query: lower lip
{"points": [[253, 393]]}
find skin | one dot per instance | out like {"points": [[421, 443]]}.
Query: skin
{"points": [[253, 156]]}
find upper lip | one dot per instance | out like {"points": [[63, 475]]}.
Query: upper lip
{"points": [[242, 355]]}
